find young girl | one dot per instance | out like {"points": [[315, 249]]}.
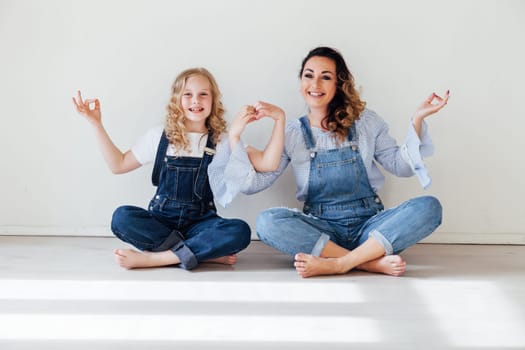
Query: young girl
{"points": [[335, 151], [181, 225]]}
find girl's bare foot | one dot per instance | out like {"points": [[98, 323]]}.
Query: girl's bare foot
{"points": [[131, 259], [226, 260], [308, 265], [389, 265]]}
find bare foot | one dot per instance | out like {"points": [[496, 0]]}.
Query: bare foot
{"points": [[389, 265], [131, 259], [226, 260], [308, 265]]}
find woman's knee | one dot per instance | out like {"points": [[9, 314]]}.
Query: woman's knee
{"points": [[432, 208], [269, 220]]}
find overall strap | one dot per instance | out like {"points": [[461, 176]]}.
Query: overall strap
{"points": [[307, 133], [161, 154], [202, 173], [352, 133]]}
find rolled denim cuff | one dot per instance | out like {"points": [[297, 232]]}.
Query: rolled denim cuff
{"points": [[187, 259], [383, 241], [173, 239], [319, 245]]}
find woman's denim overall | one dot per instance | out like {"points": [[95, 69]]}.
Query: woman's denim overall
{"points": [[182, 216], [341, 206]]}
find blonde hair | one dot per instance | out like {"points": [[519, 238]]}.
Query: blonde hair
{"points": [[175, 128]]}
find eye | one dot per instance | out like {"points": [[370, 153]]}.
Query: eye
{"points": [[326, 77], [187, 94], [308, 75], [204, 94]]}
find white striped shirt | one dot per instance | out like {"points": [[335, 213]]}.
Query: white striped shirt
{"points": [[232, 172]]}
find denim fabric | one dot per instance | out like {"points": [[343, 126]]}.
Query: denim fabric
{"points": [[182, 216], [341, 206]]}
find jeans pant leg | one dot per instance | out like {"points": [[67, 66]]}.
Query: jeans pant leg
{"points": [[212, 238], [291, 232], [141, 229], [405, 225]]}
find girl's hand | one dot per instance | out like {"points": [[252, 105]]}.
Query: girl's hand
{"points": [[83, 107], [264, 109], [428, 107], [245, 117]]}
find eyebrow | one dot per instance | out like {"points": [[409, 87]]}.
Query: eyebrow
{"points": [[323, 72], [203, 90]]}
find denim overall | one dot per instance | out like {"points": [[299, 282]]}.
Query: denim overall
{"points": [[342, 206], [182, 216]]}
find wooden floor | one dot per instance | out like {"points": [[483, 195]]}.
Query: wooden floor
{"points": [[67, 293]]}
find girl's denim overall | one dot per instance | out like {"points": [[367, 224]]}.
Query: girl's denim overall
{"points": [[341, 206], [182, 216]]}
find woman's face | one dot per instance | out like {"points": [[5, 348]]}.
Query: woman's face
{"points": [[318, 82]]}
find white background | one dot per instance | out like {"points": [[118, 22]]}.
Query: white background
{"points": [[127, 53]]}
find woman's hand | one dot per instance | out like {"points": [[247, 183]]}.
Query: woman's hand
{"points": [[428, 107], [83, 107], [264, 109]]}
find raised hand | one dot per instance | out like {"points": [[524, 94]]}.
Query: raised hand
{"points": [[246, 115], [431, 105], [83, 107], [264, 109]]}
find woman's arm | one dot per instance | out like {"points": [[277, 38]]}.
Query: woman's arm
{"points": [[270, 158], [117, 161]]}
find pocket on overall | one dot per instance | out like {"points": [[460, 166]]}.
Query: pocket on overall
{"points": [[335, 176], [180, 182]]}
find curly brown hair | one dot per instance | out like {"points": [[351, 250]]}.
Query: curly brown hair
{"points": [[346, 106], [175, 129]]}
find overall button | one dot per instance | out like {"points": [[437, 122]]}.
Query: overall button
{"points": [[354, 148], [377, 200], [312, 155], [157, 197]]}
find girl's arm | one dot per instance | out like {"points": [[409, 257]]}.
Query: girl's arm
{"points": [[117, 161]]}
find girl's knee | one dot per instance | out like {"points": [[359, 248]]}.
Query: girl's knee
{"points": [[242, 232], [120, 217]]}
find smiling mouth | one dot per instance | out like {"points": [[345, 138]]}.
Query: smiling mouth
{"points": [[316, 94], [196, 109]]}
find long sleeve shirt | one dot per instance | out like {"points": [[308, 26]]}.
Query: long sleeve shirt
{"points": [[231, 171]]}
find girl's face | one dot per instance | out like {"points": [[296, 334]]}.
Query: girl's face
{"points": [[196, 102], [318, 82]]}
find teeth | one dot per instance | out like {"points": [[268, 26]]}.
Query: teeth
{"points": [[317, 94]]}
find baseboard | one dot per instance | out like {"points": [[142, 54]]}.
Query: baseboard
{"points": [[476, 238], [437, 237], [55, 231]]}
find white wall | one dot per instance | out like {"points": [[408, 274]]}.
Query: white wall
{"points": [[127, 53]]}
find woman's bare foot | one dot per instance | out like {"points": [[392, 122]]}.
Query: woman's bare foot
{"points": [[131, 259], [226, 260], [308, 265], [389, 265]]}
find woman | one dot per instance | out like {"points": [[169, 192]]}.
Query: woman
{"points": [[334, 152]]}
